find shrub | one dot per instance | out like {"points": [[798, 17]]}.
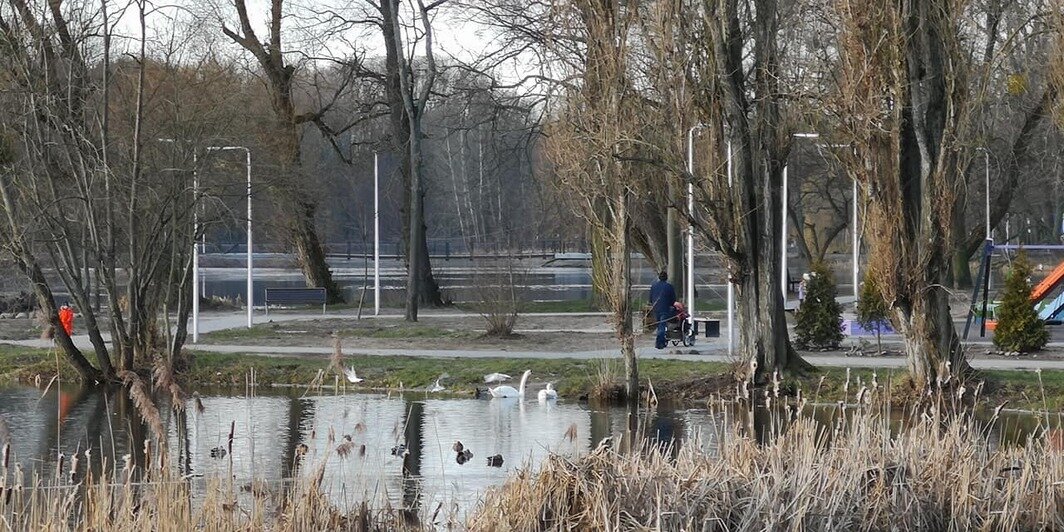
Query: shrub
{"points": [[819, 319], [498, 300], [1018, 326], [872, 310]]}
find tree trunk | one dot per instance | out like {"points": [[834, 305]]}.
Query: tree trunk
{"points": [[932, 346], [46, 304], [309, 252], [620, 264], [416, 251]]}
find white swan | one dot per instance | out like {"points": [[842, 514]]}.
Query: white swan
{"points": [[509, 391], [492, 378], [548, 394], [351, 377]]}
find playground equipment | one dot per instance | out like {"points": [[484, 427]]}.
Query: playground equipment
{"points": [[1047, 310]]}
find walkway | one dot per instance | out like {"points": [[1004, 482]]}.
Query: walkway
{"points": [[706, 350]]}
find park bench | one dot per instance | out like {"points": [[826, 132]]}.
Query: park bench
{"points": [[287, 296], [710, 326]]}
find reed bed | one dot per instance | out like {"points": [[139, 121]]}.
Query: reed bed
{"points": [[165, 502], [939, 472]]}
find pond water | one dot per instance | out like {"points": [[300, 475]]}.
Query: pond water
{"points": [[269, 429]]}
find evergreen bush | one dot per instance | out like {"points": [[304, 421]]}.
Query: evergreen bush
{"points": [[819, 318], [1018, 326], [872, 311]]}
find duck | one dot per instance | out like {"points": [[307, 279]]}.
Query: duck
{"points": [[463, 456], [400, 450], [218, 452], [495, 461], [548, 394], [509, 391]]}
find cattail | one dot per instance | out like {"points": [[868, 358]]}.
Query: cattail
{"points": [[59, 466], [344, 449], [127, 469], [74, 460], [846, 385], [570, 433], [336, 362], [5, 433]]}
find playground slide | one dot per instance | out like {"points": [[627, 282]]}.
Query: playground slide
{"points": [[1052, 309], [1048, 284]]}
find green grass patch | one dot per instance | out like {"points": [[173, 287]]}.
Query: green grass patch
{"points": [[1020, 388], [20, 364], [572, 377]]}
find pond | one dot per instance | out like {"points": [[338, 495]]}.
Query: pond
{"points": [[271, 427]]}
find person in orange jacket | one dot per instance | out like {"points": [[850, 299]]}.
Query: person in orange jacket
{"points": [[66, 319]]}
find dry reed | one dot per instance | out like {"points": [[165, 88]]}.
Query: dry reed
{"points": [[938, 473], [164, 502]]}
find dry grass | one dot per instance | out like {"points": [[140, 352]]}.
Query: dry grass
{"points": [[163, 502], [938, 473]]}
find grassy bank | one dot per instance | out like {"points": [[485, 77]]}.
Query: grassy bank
{"points": [[282, 330], [572, 377], [691, 381]]}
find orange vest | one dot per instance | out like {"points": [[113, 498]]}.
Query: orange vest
{"points": [[66, 319]]}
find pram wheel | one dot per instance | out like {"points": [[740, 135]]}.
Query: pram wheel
{"points": [[687, 334]]}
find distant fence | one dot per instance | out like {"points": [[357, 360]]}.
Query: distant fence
{"points": [[444, 248]]}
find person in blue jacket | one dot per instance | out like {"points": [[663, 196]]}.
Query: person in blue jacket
{"points": [[662, 297]]}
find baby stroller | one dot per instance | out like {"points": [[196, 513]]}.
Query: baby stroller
{"points": [[678, 328]]}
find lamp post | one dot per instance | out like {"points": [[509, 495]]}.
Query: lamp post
{"points": [[376, 237], [689, 289], [727, 272], [195, 242], [251, 296], [986, 160]]}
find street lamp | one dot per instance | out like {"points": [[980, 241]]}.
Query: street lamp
{"points": [[986, 159], [727, 272], [376, 237], [247, 152], [690, 284], [195, 238]]}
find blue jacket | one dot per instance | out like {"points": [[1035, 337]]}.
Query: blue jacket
{"points": [[662, 296]]}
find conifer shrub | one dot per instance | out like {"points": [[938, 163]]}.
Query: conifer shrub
{"points": [[872, 311], [819, 318], [1019, 328]]}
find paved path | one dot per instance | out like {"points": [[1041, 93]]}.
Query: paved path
{"points": [[707, 350], [713, 354]]}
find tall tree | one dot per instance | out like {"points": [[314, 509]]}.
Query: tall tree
{"points": [[297, 205], [408, 95], [740, 215], [904, 105]]}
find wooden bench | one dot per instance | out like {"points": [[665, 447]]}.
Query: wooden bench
{"points": [[281, 296]]}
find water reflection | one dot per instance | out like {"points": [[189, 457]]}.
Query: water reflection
{"points": [[269, 432]]}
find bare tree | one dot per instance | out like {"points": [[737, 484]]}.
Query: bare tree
{"points": [[298, 206]]}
